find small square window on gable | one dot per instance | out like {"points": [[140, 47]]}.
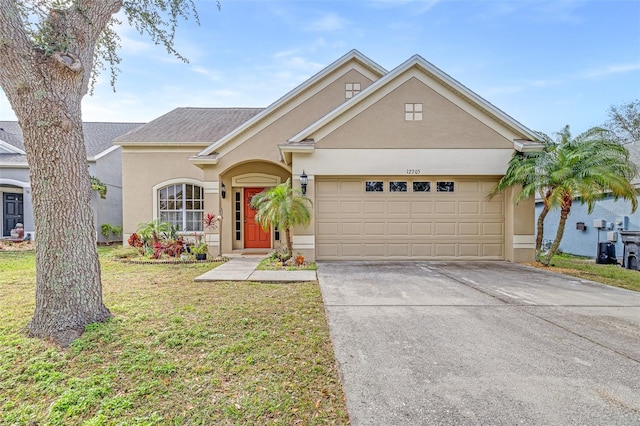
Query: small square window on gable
{"points": [[412, 112], [351, 89]]}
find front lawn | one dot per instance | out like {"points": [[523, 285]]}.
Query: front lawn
{"points": [[588, 269], [176, 352]]}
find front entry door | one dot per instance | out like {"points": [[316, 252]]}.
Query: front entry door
{"points": [[254, 235], [12, 212]]}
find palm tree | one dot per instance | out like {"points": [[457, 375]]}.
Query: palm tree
{"points": [[589, 167], [586, 168], [283, 207], [532, 171]]}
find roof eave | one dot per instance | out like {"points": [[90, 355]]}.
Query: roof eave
{"points": [[522, 145], [197, 160], [161, 144], [287, 151]]}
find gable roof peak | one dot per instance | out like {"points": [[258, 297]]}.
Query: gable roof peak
{"points": [[443, 78], [352, 55]]}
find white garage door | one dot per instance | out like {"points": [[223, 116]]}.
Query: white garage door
{"points": [[408, 218]]}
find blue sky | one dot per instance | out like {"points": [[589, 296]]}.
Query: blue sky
{"points": [[545, 63]]}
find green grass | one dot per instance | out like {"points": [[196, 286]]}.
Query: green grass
{"points": [[585, 268], [176, 352]]}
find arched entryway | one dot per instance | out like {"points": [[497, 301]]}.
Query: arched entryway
{"points": [[241, 183]]}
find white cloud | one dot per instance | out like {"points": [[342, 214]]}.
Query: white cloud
{"points": [[328, 22], [610, 70], [210, 74], [423, 6]]}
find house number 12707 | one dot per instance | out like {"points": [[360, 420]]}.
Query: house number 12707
{"points": [[413, 171]]}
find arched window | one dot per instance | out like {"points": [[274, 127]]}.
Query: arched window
{"points": [[181, 205]]}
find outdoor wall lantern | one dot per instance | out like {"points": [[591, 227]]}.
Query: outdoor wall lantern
{"points": [[303, 182], [223, 191]]}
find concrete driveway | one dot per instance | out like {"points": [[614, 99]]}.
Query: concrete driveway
{"points": [[479, 343]]}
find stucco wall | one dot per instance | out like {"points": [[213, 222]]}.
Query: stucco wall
{"points": [[263, 145], [444, 124], [585, 243], [142, 169], [109, 210]]}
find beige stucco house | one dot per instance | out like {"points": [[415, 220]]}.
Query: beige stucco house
{"points": [[399, 165]]}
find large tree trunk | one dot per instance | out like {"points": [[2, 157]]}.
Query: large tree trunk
{"points": [[69, 290], [45, 91]]}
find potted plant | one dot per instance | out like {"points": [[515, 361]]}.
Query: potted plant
{"points": [[200, 251]]}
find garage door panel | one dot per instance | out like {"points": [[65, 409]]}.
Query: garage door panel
{"points": [[493, 251], [421, 207], [487, 187], [493, 207], [445, 229], [328, 207], [445, 250], [328, 250], [468, 187], [493, 229], [421, 250], [446, 207], [354, 224], [351, 228], [421, 228], [353, 250], [469, 250], [468, 207], [398, 208], [374, 207], [351, 186], [350, 207], [328, 228], [398, 250], [469, 228], [374, 250], [375, 228], [400, 229], [327, 187]]}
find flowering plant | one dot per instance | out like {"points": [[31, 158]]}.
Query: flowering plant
{"points": [[210, 221]]}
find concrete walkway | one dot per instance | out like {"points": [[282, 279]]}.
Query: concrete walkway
{"points": [[244, 269]]}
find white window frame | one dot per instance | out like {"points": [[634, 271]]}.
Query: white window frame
{"points": [[413, 111], [351, 89], [185, 181]]}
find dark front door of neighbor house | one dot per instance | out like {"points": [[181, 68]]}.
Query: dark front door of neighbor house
{"points": [[12, 212], [254, 235]]}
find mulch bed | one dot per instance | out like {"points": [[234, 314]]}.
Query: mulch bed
{"points": [[7, 245], [145, 261]]}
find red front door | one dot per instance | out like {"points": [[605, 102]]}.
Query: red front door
{"points": [[254, 235]]}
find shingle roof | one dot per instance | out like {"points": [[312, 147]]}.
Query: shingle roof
{"points": [[98, 137], [185, 125], [13, 158], [11, 133]]}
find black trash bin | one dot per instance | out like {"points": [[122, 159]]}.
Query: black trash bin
{"points": [[631, 241], [606, 253]]}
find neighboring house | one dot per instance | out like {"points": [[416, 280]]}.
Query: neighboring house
{"points": [[580, 236], [399, 165], [104, 162]]}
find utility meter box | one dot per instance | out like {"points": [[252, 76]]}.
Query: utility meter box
{"points": [[599, 223], [612, 236]]}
